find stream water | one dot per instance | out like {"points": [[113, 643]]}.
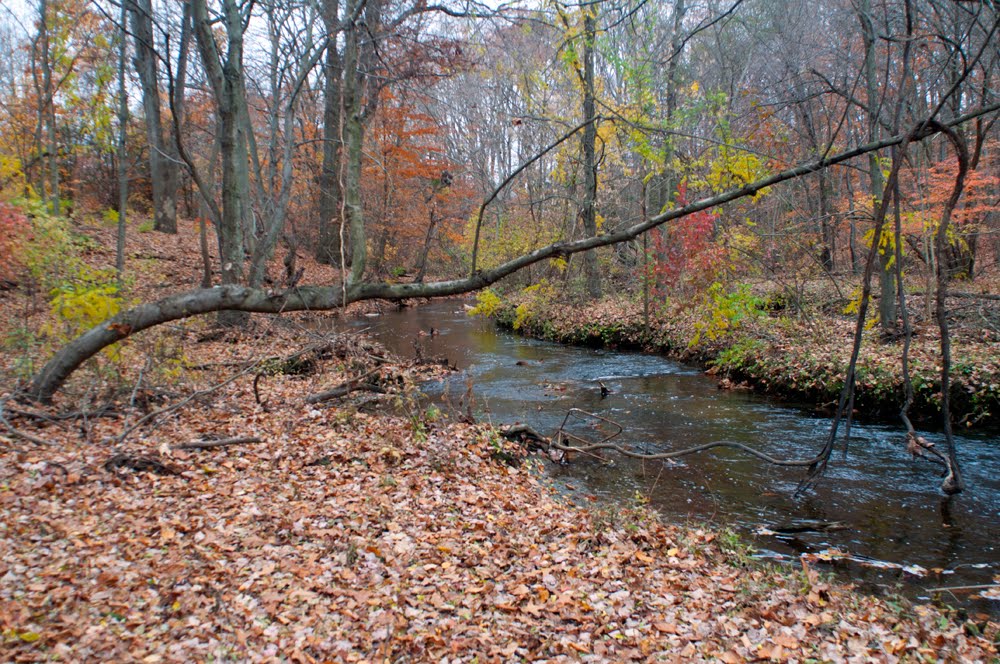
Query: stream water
{"points": [[902, 534]]}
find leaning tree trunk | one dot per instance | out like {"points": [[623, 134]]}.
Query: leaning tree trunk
{"points": [[242, 299]]}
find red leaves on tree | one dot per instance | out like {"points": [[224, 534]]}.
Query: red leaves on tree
{"points": [[14, 227], [685, 254]]}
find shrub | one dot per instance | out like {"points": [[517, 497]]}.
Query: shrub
{"points": [[14, 232]]}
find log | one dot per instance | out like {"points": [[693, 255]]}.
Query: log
{"points": [[223, 442], [344, 389]]}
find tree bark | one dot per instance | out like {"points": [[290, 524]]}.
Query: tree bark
{"points": [[421, 265], [122, 166], [328, 247], [49, 112], [953, 482], [225, 77], [358, 62], [588, 212], [887, 286]]}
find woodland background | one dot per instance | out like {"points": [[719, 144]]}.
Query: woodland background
{"points": [[289, 127]]}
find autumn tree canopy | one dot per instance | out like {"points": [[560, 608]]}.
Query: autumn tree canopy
{"points": [[429, 149]]}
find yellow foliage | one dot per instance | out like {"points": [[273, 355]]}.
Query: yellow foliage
{"points": [[521, 315], [539, 294], [11, 175], [82, 305], [487, 304], [736, 168], [854, 306]]}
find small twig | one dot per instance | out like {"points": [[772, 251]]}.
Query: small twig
{"points": [[224, 442], [17, 433], [166, 409]]}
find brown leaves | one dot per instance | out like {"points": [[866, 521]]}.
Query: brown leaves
{"points": [[398, 547]]}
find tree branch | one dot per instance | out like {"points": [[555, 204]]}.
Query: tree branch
{"points": [[311, 298]]}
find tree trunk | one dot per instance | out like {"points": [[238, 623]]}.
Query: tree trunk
{"points": [[328, 247], [225, 75], [358, 61], [425, 250], [122, 166], [953, 482], [172, 162], [164, 200], [887, 286], [589, 210], [48, 91]]}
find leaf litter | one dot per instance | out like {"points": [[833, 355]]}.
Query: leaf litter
{"points": [[357, 536], [406, 544]]}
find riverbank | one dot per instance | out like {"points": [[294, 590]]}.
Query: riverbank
{"points": [[350, 536], [358, 529], [797, 358]]}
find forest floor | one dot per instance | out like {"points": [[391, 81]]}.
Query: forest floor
{"points": [[758, 339], [357, 529]]}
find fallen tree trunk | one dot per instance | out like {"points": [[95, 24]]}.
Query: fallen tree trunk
{"points": [[347, 387], [344, 390]]}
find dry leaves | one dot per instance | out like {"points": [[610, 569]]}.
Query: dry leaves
{"points": [[353, 536], [434, 552]]}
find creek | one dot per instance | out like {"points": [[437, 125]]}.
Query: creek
{"points": [[895, 532]]}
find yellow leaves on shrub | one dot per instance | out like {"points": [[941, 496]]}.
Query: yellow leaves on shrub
{"points": [[522, 314], [487, 304], [77, 307], [736, 168], [537, 295], [83, 309]]}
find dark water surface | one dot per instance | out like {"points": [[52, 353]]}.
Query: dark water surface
{"points": [[890, 505]]}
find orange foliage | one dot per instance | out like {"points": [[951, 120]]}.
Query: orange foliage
{"points": [[409, 183]]}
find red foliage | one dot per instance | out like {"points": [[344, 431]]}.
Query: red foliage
{"points": [[685, 254], [14, 228]]}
